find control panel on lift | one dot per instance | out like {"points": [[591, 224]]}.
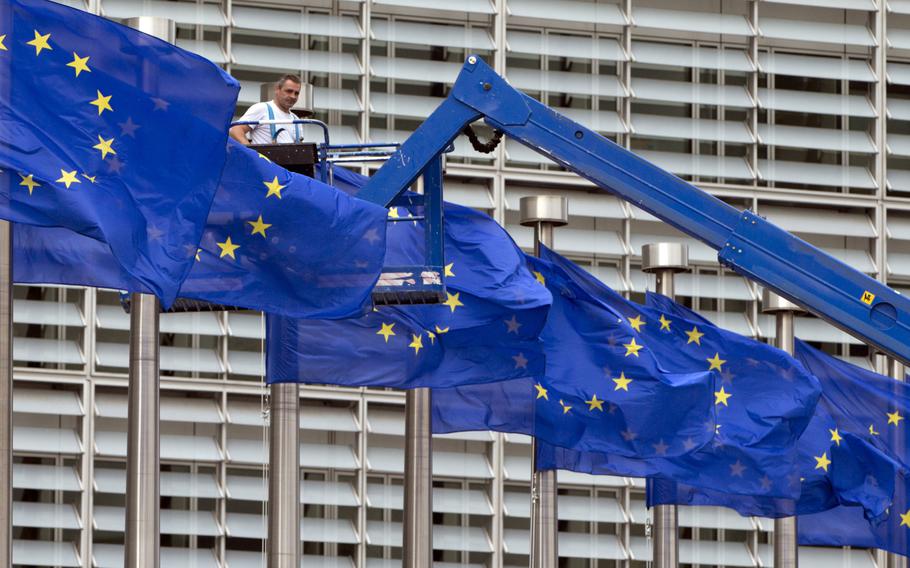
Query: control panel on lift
{"points": [[300, 158]]}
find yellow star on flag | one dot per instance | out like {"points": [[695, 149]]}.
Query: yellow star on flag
{"points": [[822, 461], [664, 323], [68, 178], [416, 343], [453, 301], [393, 213], [264, 157], [872, 431], [386, 331], [622, 383], [539, 277], [449, 273], [541, 392], [894, 417], [905, 519], [441, 330], [2, 47], [565, 407], [595, 403], [274, 188], [716, 362], [632, 348], [105, 147], [80, 64], [228, 248], [29, 182], [40, 42], [636, 323], [102, 102], [835, 436], [694, 336], [721, 397], [88, 177], [432, 337], [198, 250], [259, 227]]}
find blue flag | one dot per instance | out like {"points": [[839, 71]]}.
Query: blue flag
{"points": [[486, 330], [850, 455], [744, 445], [275, 241], [110, 133], [868, 472]]}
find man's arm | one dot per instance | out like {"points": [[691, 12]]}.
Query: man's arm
{"points": [[239, 133]]}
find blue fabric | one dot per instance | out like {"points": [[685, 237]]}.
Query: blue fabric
{"points": [[110, 133], [588, 327], [487, 330], [851, 463], [320, 257]]}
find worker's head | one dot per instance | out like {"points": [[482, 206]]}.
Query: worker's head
{"points": [[287, 90]]}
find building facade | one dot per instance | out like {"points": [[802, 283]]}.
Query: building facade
{"points": [[798, 109]]}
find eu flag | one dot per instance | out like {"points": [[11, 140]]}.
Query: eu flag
{"points": [[275, 241], [746, 445], [604, 389], [851, 455], [110, 133], [868, 468], [486, 330]]}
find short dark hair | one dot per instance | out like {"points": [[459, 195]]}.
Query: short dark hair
{"points": [[288, 77]]}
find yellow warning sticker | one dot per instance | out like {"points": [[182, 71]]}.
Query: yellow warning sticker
{"points": [[867, 298]]}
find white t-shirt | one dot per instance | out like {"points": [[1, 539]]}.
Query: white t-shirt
{"points": [[262, 134]]}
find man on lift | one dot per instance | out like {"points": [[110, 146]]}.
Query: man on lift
{"points": [[287, 90]]}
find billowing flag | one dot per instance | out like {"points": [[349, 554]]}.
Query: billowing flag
{"points": [[110, 133], [745, 443], [486, 330], [275, 241], [851, 462]]}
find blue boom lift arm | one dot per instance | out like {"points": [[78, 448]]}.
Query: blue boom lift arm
{"points": [[745, 242]]}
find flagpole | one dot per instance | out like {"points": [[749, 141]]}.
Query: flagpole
{"points": [[418, 480], [664, 260], [142, 540], [543, 212], [6, 392], [284, 476], [417, 537], [786, 545]]}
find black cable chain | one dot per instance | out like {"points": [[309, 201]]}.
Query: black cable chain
{"points": [[483, 147]]}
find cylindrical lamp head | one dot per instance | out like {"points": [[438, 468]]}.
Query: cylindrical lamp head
{"points": [[665, 256], [772, 303], [550, 209], [161, 28]]}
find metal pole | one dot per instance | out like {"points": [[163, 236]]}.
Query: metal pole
{"points": [[418, 480], [284, 461], [142, 547], [284, 476], [665, 260], [786, 545], [543, 212], [417, 540], [6, 393]]}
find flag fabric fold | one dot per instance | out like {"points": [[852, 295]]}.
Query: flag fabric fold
{"points": [[851, 475], [745, 440], [486, 330], [275, 241], [110, 133]]}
